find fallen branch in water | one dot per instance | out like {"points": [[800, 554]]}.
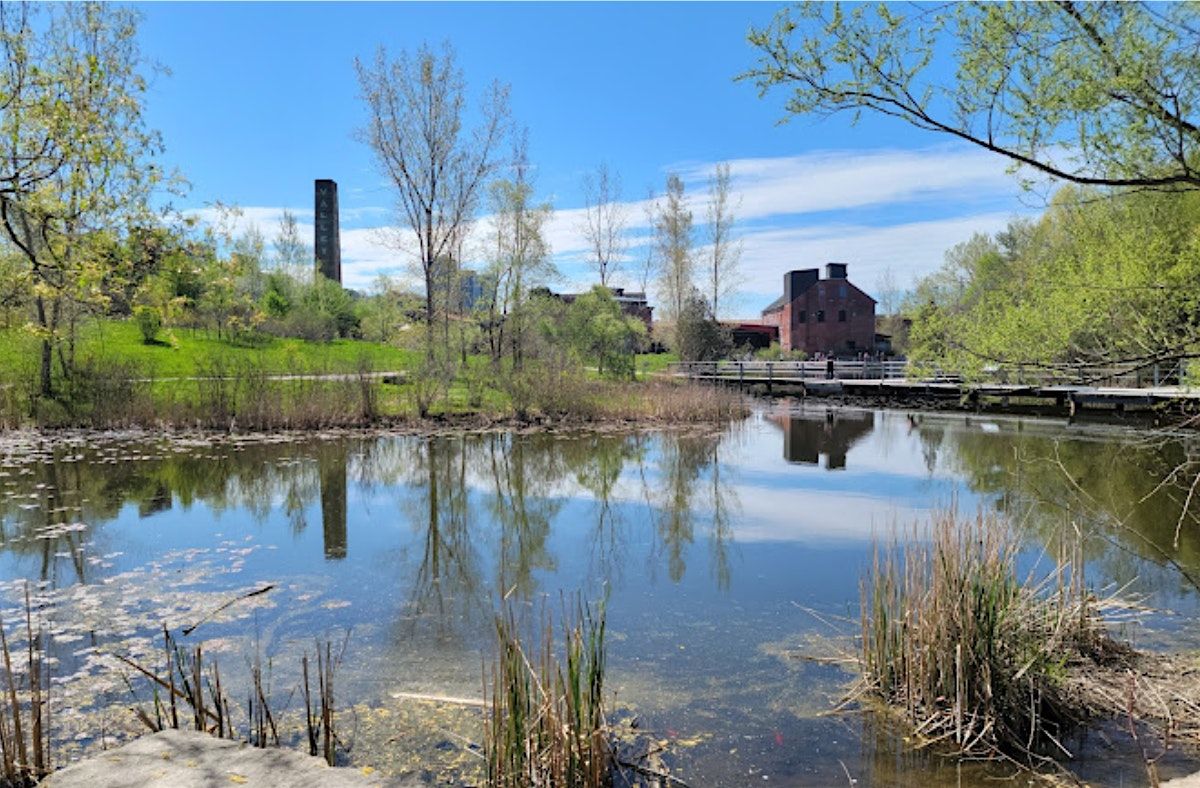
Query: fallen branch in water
{"points": [[440, 699], [230, 603]]}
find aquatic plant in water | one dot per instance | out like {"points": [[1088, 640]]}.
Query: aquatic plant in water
{"points": [[546, 725], [969, 654]]}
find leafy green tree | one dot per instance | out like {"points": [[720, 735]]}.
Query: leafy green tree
{"points": [[279, 295], [15, 289], [601, 333], [1102, 94], [332, 306], [73, 153], [1096, 281], [386, 309]]}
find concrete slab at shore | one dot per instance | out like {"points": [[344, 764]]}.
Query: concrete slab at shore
{"points": [[187, 759]]}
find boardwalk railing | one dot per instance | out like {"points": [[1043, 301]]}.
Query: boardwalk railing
{"points": [[783, 371], [1015, 375]]}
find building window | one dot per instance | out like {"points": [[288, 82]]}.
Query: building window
{"points": [[850, 344], [820, 315], [841, 315], [842, 291], [802, 316]]}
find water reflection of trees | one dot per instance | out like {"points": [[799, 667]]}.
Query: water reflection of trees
{"points": [[484, 508], [93, 483], [446, 583], [1131, 495]]}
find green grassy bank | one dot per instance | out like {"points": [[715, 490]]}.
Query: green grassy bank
{"points": [[185, 352], [192, 378]]}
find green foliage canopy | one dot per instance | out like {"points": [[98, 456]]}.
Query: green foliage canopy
{"points": [[600, 332], [1097, 280], [1098, 93]]}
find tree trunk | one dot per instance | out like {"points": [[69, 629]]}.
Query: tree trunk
{"points": [[45, 387], [429, 328]]}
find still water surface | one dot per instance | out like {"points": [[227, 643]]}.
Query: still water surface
{"points": [[730, 559]]}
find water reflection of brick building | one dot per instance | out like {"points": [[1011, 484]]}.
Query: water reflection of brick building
{"points": [[827, 315], [806, 436]]}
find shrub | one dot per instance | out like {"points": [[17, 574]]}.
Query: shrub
{"points": [[776, 353], [149, 322], [428, 384], [698, 335], [104, 395]]}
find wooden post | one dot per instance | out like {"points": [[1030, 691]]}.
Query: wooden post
{"points": [[770, 375], [741, 375]]}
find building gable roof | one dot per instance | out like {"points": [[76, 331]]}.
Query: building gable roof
{"points": [[776, 305], [782, 301]]}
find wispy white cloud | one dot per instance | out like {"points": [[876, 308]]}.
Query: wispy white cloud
{"points": [[908, 250], [829, 181], [788, 209], [794, 212]]}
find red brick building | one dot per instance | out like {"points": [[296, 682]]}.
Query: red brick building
{"points": [[829, 315]]}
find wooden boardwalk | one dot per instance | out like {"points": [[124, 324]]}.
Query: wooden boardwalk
{"points": [[1121, 390]]}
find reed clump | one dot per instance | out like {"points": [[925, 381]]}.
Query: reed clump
{"points": [[190, 687], [970, 654], [25, 752], [546, 724]]}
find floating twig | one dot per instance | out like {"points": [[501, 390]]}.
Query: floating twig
{"points": [[230, 603]]}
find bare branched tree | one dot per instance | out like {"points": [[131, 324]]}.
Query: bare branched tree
{"points": [[647, 262], [605, 218], [438, 169], [292, 255], [724, 250], [521, 254], [673, 242]]}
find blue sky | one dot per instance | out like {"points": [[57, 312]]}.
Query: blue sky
{"points": [[262, 99]]}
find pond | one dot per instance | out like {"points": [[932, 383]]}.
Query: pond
{"points": [[729, 559]]}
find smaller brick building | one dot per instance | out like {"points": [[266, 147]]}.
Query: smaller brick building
{"points": [[829, 316]]}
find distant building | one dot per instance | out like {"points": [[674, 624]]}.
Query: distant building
{"points": [[471, 289], [632, 304], [829, 315], [755, 336]]}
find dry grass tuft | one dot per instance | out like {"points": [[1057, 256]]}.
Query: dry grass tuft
{"points": [[969, 654], [671, 402]]}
